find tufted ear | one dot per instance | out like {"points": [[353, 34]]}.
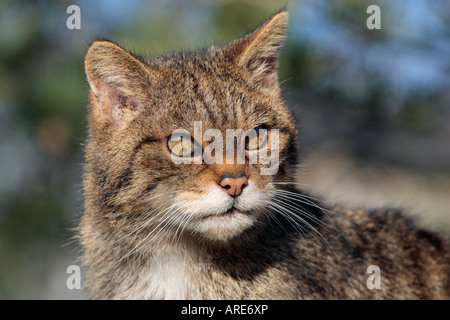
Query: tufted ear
{"points": [[258, 51], [119, 82]]}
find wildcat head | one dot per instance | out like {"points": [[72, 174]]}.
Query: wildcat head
{"points": [[145, 114]]}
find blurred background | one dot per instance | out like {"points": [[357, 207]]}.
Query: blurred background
{"points": [[373, 108]]}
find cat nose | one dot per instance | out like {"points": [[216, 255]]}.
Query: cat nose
{"points": [[234, 186]]}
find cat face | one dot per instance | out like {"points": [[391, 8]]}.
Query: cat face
{"points": [[178, 143]]}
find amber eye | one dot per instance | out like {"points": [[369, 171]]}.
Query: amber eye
{"points": [[182, 145], [256, 139]]}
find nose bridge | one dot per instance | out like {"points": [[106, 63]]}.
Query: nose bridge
{"points": [[235, 174], [229, 170]]}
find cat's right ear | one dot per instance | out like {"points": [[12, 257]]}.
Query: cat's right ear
{"points": [[119, 83]]}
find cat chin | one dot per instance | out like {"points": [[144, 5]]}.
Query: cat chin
{"points": [[224, 227]]}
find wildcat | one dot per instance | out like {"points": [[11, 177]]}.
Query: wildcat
{"points": [[154, 229]]}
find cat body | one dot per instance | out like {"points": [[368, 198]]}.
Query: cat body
{"points": [[153, 228]]}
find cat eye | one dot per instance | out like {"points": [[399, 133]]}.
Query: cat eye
{"points": [[257, 139], [182, 145]]}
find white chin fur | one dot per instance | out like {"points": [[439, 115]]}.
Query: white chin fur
{"points": [[206, 211]]}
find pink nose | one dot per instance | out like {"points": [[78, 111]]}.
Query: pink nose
{"points": [[234, 186]]}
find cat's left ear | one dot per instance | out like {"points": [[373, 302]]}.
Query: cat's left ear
{"points": [[258, 51]]}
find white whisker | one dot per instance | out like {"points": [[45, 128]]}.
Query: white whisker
{"points": [[293, 215], [301, 210], [294, 223], [167, 213]]}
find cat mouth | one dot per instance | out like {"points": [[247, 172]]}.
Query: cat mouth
{"points": [[230, 213], [225, 223]]}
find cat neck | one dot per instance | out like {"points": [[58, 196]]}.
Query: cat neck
{"points": [[171, 274], [185, 269]]}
